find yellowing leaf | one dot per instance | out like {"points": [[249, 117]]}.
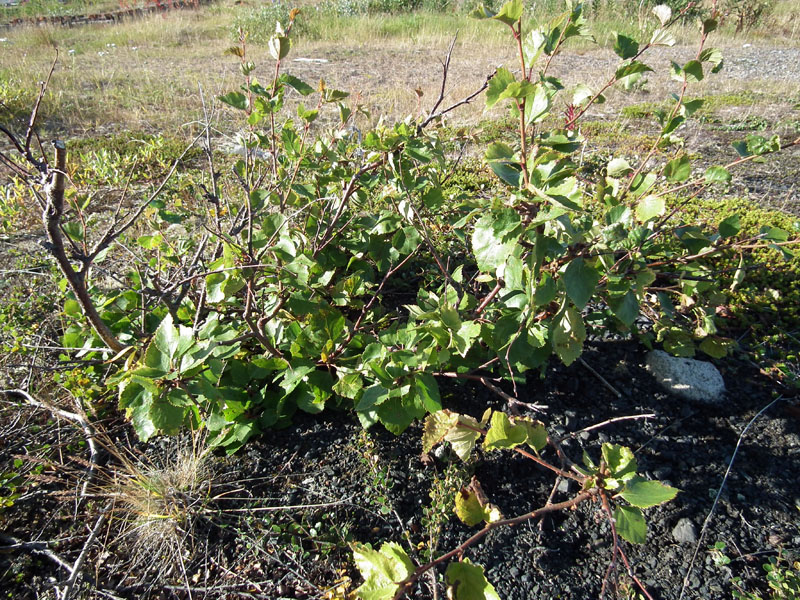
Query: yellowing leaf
{"points": [[466, 581], [382, 570]]}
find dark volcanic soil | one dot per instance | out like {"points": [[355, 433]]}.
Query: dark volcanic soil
{"points": [[375, 488]]}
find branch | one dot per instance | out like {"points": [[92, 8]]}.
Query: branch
{"points": [[403, 586]]}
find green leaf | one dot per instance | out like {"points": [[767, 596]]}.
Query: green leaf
{"points": [[580, 281], [497, 85], [568, 335], [625, 308], [495, 238], [382, 570], [510, 12], [716, 347], [167, 417], [235, 99], [630, 524], [717, 175], [72, 308], [471, 511], [678, 169], [618, 167], [301, 86], [693, 71], [466, 581], [619, 459], [729, 226], [643, 493], [428, 391], [279, 46], [631, 68], [349, 386], [650, 207], [502, 434], [625, 47]]}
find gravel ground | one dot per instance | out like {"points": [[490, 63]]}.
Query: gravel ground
{"points": [[375, 488]]}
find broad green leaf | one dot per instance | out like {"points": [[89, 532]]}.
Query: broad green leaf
{"points": [[502, 434], [679, 343], [495, 238], [301, 86], [619, 460], [510, 12], [717, 175], [630, 524], [167, 417], [532, 46], [466, 581], [471, 511], [580, 281], [693, 71], [713, 56], [349, 385], [625, 307], [166, 337], [678, 169], [428, 391], [497, 85], [235, 99], [624, 46], [372, 396], [382, 570], [729, 226], [568, 335], [72, 308], [650, 207], [644, 494], [537, 105], [716, 347], [279, 46], [631, 68], [499, 151], [618, 167]]}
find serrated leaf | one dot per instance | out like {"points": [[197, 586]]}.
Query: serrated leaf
{"points": [[716, 347], [618, 167], [620, 460], [631, 68], [279, 46], [625, 47], [299, 85], [466, 581], [693, 71], [678, 169], [650, 207], [580, 281], [630, 524], [568, 335], [729, 226], [468, 509], [644, 494], [502, 434], [437, 425], [235, 99], [510, 12], [427, 391], [349, 386], [382, 570], [462, 439], [497, 85], [717, 175], [662, 37], [495, 238]]}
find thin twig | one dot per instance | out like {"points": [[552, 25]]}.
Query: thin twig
{"points": [[76, 568], [719, 494], [88, 430], [607, 422], [602, 379]]}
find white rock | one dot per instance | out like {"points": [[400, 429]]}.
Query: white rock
{"points": [[685, 532], [685, 377]]}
